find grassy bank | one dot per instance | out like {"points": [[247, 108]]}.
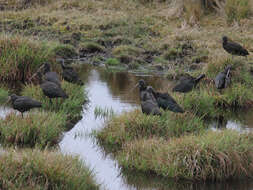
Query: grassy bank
{"points": [[210, 102], [135, 125], [212, 156], [21, 56], [34, 169], [173, 34], [39, 129], [45, 127]]}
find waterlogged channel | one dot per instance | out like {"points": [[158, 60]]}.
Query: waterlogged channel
{"points": [[109, 90]]}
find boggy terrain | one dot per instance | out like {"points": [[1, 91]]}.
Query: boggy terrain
{"points": [[174, 37]]}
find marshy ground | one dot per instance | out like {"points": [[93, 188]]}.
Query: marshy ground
{"points": [[172, 37]]}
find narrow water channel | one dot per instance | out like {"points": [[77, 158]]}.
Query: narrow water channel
{"points": [[113, 91]]}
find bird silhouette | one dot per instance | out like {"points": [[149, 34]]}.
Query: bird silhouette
{"points": [[70, 75], [51, 76], [222, 80], [23, 103], [233, 47], [165, 101], [186, 84]]}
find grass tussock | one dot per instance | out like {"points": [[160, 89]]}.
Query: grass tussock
{"points": [[71, 107], [35, 169], [212, 156], [135, 125], [39, 129], [20, 57]]}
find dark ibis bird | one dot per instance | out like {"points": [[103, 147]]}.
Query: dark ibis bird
{"points": [[222, 80], [233, 47], [186, 84], [50, 75], [165, 101], [51, 89], [70, 75], [23, 103], [149, 104]]}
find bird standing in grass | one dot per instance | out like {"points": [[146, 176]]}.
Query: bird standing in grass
{"points": [[233, 47], [186, 84], [165, 101], [23, 103], [222, 80], [149, 105], [51, 76], [51, 89], [70, 75]]}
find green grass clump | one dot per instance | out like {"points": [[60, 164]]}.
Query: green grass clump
{"points": [[126, 50], [212, 103], [112, 62], [38, 129], [35, 169], [3, 96], [173, 53], [91, 47], [211, 156], [20, 57], [64, 50], [71, 107], [135, 125]]}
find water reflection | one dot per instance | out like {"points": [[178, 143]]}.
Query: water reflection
{"points": [[4, 111], [113, 90], [232, 124], [142, 181]]}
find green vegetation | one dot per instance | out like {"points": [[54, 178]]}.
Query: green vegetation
{"points": [[103, 112], [35, 169], [135, 125], [91, 47], [211, 156], [20, 57], [64, 51], [39, 129], [237, 10], [3, 95], [112, 62], [71, 107], [207, 101], [183, 36]]}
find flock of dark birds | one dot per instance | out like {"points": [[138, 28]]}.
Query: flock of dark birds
{"points": [[50, 84], [151, 101]]}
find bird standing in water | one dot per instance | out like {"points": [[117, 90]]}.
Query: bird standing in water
{"points": [[222, 80], [187, 84], [233, 47], [23, 103]]}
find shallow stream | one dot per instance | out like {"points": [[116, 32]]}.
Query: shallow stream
{"points": [[109, 90]]}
